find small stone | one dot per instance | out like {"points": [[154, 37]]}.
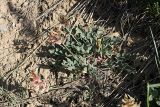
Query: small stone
{"points": [[3, 25]]}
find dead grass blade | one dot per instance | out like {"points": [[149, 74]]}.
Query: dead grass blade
{"points": [[50, 9], [157, 58]]}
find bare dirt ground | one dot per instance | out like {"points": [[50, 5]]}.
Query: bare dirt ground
{"points": [[23, 36]]}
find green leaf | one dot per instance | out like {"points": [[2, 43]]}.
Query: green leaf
{"points": [[100, 31], [158, 103], [51, 51], [80, 31], [150, 98], [154, 93], [71, 68], [88, 49]]}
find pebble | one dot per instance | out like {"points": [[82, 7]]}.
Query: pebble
{"points": [[3, 25]]}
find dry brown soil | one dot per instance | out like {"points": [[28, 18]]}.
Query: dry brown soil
{"points": [[22, 38]]}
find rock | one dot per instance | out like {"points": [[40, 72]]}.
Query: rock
{"points": [[3, 25]]}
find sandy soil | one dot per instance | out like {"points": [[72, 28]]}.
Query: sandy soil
{"points": [[22, 24]]}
